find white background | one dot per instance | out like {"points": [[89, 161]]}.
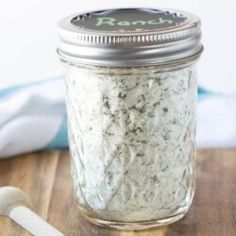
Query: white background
{"points": [[28, 38]]}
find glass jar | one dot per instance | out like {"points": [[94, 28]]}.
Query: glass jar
{"points": [[131, 101]]}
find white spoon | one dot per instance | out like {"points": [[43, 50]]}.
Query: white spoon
{"points": [[15, 204]]}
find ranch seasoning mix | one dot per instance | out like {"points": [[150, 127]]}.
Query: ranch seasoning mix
{"points": [[131, 103]]}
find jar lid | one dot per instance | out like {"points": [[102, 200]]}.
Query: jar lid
{"points": [[129, 37]]}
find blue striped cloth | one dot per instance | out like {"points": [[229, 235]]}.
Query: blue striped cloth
{"points": [[33, 117]]}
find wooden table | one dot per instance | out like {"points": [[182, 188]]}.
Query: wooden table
{"points": [[46, 178]]}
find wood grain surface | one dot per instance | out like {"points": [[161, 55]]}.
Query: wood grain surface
{"points": [[46, 178]]}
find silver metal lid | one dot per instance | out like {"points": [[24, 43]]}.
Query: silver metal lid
{"points": [[129, 37]]}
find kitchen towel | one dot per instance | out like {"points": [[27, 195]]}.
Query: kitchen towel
{"points": [[33, 117]]}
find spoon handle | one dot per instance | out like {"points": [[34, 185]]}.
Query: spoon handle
{"points": [[32, 222]]}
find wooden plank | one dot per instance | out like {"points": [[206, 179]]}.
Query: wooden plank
{"points": [[35, 175], [46, 178]]}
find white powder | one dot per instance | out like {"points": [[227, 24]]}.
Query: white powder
{"points": [[132, 138]]}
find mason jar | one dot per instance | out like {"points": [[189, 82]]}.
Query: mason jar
{"points": [[131, 104]]}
